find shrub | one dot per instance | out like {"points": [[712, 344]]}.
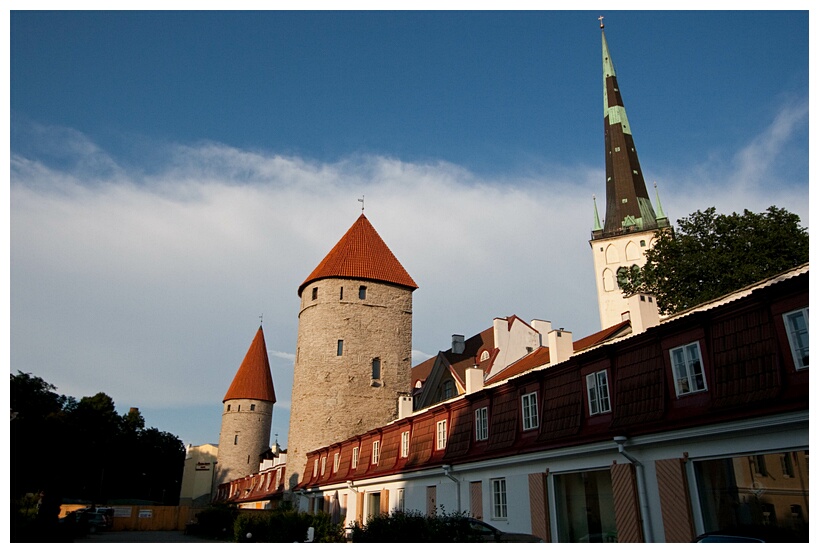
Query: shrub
{"points": [[286, 526], [414, 527], [216, 521]]}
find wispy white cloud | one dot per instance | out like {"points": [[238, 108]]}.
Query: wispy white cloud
{"points": [[147, 283]]}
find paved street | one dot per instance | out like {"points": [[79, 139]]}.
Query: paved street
{"points": [[143, 537]]}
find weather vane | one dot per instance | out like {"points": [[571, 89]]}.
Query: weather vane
{"points": [[601, 21], [361, 199], [260, 319]]}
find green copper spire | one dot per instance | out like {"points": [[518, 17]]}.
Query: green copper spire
{"points": [[628, 207], [597, 226], [662, 220]]}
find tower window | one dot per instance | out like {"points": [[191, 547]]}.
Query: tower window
{"points": [[340, 348], [377, 368], [252, 406], [228, 407], [315, 292], [362, 292], [341, 293], [235, 439]]}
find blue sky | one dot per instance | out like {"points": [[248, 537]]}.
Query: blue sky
{"points": [[175, 175]]}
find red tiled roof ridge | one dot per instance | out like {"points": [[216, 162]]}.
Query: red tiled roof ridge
{"points": [[253, 379], [599, 336], [361, 253]]}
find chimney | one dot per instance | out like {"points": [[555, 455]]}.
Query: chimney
{"points": [[560, 345], [458, 344], [404, 406], [543, 328], [643, 312], [474, 379]]}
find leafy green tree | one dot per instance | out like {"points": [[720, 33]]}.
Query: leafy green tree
{"points": [[104, 456], [709, 255]]}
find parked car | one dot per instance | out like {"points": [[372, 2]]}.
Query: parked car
{"points": [[726, 537], [491, 534], [754, 534], [95, 519]]}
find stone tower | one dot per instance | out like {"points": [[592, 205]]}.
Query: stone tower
{"points": [[354, 348], [247, 414], [630, 221]]}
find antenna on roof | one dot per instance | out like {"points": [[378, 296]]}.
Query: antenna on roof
{"points": [[361, 199]]}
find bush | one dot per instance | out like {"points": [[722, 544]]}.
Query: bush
{"points": [[216, 522], [414, 527], [286, 526]]}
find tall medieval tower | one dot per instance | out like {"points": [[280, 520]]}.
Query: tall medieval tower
{"points": [[247, 415], [354, 347], [630, 221]]}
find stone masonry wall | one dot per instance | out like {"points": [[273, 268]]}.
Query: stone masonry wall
{"points": [[335, 396], [244, 436]]}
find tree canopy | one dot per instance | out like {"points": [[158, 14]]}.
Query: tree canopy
{"points": [[85, 450], [709, 255]]}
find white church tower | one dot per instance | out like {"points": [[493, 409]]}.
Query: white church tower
{"points": [[620, 244]]}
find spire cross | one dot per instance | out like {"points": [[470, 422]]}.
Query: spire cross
{"points": [[361, 199], [601, 21]]}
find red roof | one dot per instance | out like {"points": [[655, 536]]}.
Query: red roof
{"points": [[361, 253], [253, 380]]}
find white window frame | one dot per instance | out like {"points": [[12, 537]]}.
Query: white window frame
{"points": [[684, 360], [405, 436], [400, 501], [597, 386], [796, 336], [355, 457], [440, 433], [481, 424], [323, 465], [315, 467], [528, 407], [499, 504], [335, 462], [376, 451]]}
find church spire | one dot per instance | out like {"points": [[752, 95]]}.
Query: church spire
{"points": [[628, 207]]}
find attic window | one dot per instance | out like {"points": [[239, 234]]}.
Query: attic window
{"points": [[484, 355]]}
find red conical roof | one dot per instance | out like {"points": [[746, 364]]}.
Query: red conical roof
{"points": [[361, 253], [253, 380]]}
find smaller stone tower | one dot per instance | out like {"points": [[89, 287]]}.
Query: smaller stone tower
{"points": [[247, 415]]}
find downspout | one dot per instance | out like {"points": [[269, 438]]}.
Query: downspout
{"points": [[641, 487], [447, 470]]}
